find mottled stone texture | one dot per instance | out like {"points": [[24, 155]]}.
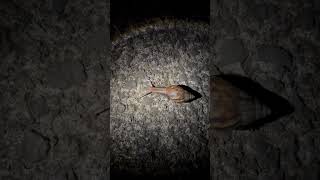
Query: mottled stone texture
{"points": [[54, 89], [153, 136], [275, 43]]}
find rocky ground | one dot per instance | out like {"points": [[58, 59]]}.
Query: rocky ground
{"points": [[275, 43], [54, 88], [55, 77], [153, 135]]}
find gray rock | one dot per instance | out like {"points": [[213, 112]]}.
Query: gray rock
{"points": [[306, 19], [58, 5], [5, 42], [230, 166], [41, 46], [58, 76], [121, 107], [262, 12], [234, 68], [154, 131], [306, 150], [77, 73], [274, 55], [310, 172], [316, 5], [227, 26], [97, 40], [214, 6], [272, 175], [61, 126], [131, 84], [35, 147], [308, 49], [68, 147], [66, 74], [38, 106], [230, 51], [257, 145], [287, 64], [71, 175]]}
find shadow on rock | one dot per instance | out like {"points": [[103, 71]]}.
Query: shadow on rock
{"points": [[247, 104], [195, 93]]}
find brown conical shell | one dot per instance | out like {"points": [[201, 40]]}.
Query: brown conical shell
{"points": [[233, 107], [178, 94]]}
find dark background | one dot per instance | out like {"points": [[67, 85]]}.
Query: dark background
{"points": [[126, 12]]}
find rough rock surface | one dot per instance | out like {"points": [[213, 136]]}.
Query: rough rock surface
{"points": [[54, 94], [153, 135], [282, 40], [54, 99]]}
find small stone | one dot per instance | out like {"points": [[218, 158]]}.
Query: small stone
{"points": [[121, 108], [274, 55], [230, 51], [230, 167]]}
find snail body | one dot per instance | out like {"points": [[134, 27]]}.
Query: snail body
{"points": [[175, 93]]}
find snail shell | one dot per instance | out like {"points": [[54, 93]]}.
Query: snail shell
{"points": [[178, 94], [232, 107]]}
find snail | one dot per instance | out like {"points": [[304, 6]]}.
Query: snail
{"points": [[231, 106], [176, 93]]}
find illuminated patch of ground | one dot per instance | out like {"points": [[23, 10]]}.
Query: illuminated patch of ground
{"points": [[153, 133]]}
